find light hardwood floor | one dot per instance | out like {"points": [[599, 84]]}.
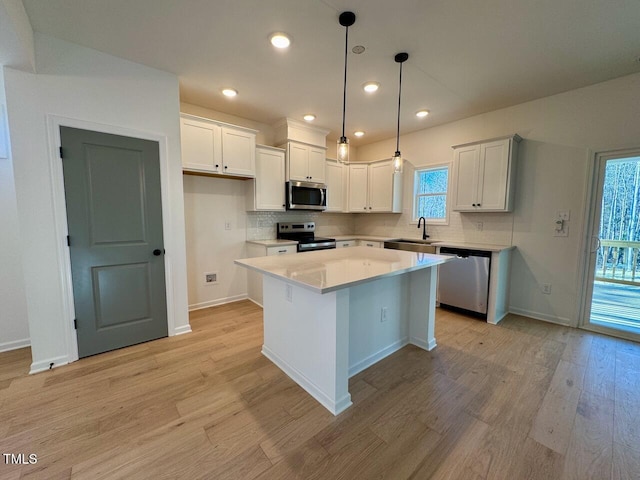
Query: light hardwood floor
{"points": [[523, 400]]}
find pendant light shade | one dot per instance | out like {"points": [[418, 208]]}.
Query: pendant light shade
{"points": [[397, 157], [346, 19]]}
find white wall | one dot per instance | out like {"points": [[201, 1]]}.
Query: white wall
{"points": [[561, 133], [209, 203], [83, 84], [14, 328]]}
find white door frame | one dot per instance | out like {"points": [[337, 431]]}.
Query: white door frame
{"points": [[593, 207], [54, 122]]}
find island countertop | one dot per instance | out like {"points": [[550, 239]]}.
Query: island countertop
{"points": [[325, 271]]}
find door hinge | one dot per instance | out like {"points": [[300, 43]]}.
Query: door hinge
{"points": [[75, 323], [61, 154], [68, 241]]}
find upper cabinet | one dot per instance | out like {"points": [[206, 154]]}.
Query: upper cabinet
{"points": [[306, 163], [374, 187], [484, 175], [306, 150], [266, 191], [210, 147], [336, 181]]}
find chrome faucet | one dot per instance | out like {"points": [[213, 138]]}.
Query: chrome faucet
{"points": [[424, 227]]}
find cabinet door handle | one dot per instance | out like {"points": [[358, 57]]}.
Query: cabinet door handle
{"points": [[217, 165], [364, 208], [225, 167], [479, 205], [473, 204], [282, 251], [369, 208]]}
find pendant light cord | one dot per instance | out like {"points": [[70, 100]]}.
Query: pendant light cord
{"points": [[344, 88], [399, 97]]}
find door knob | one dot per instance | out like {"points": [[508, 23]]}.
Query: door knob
{"points": [[157, 252]]}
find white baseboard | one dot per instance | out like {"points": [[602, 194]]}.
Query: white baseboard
{"points": [[219, 301], [15, 345], [254, 301], [43, 365], [541, 316], [334, 407], [182, 330], [376, 357], [418, 342]]}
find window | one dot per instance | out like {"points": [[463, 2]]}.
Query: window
{"points": [[430, 194]]}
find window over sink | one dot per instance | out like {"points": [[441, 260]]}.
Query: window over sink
{"points": [[430, 187]]}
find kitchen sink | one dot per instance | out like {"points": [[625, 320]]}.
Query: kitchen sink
{"points": [[410, 245]]}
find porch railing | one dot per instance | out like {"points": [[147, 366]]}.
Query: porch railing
{"points": [[618, 262]]}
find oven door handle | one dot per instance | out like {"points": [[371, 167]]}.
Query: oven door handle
{"points": [[322, 197]]}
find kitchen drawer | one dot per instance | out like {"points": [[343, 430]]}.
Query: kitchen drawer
{"points": [[369, 243], [283, 250], [345, 243]]}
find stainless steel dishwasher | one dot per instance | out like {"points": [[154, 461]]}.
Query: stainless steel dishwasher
{"points": [[463, 283]]}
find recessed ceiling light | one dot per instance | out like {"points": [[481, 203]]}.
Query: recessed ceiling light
{"points": [[309, 117], [280, 40], [229, 92], [422, 113], [371, 87], [359, 133]]}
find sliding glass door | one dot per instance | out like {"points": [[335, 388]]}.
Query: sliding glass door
{"points": [[612, 281]]}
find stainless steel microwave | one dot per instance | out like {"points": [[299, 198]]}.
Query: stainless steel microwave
{"points": [[306, 196]]}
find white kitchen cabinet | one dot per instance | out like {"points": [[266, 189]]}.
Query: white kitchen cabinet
{"points": [[358, 187], [238, 152], [266, 191], [210, 147], [346, 243], [305, 163], [374, 187], [369, 243], [336, 182], [484, 175], [254, 279]]}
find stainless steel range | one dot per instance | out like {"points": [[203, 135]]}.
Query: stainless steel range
{"points": [[304, 234]]}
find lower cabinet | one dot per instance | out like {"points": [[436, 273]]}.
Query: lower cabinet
{"points": [[345, 243], [369, 243], [254, 279]]}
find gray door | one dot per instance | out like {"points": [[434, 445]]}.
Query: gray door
{"points": [[114, 214]]}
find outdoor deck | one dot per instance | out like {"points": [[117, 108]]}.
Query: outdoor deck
{"points": [[616, 305]]}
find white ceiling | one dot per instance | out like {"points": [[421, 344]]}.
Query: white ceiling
{"points": [[465, 56]]}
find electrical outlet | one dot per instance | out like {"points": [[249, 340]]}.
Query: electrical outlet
{"points": [[563, 215], [383, 314], [289, 293], [546, 288], [211, 278], [227, 225], [479, 226]]}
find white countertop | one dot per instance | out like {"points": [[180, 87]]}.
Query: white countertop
{"points": [[273, 242], [324, 271], [474, 246], [372, 238], [377, 238]]}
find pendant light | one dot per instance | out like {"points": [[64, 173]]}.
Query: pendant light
{"points": [[397, 157], [346, 19]]}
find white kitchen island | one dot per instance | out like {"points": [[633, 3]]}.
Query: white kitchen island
{"points": [[330, 314]]}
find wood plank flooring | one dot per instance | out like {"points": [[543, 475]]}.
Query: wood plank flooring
{"points": [[522, 400]]}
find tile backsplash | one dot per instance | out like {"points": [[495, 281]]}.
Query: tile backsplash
{"points": [[262, 225], [496, 228]]}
